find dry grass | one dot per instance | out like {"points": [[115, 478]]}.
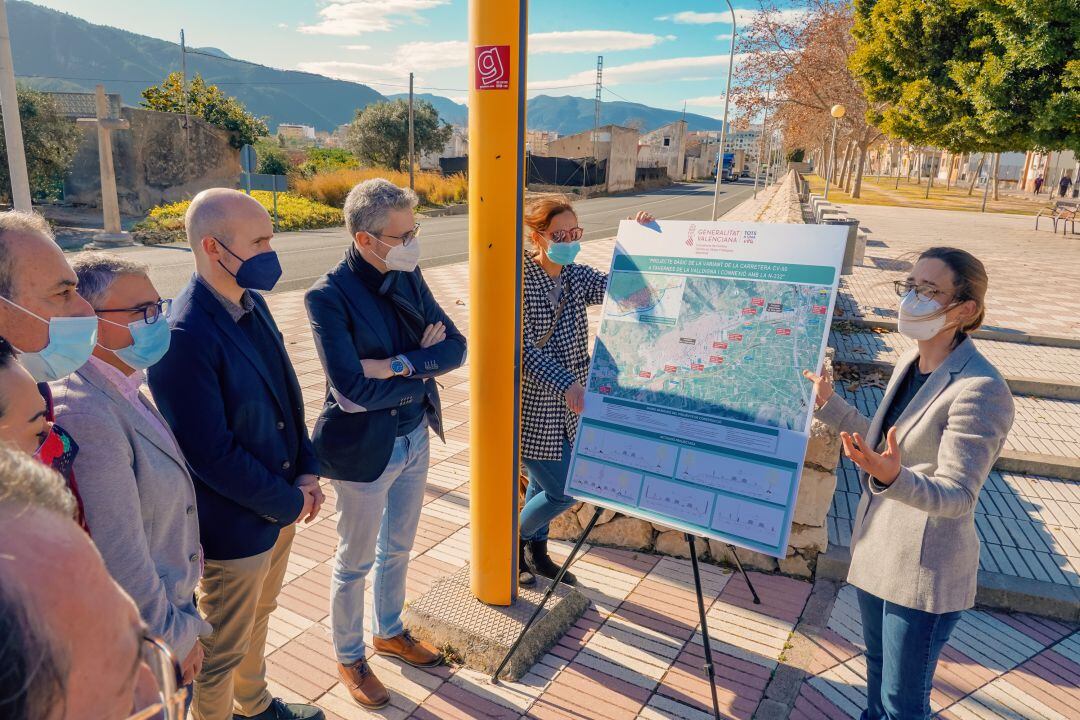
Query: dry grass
{"points": [[883, 192], [331, 188]]}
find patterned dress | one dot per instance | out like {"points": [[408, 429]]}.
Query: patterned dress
{"points": [[562, 361]]}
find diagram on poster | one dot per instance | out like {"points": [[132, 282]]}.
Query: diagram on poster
{"points": [[696, 411]]}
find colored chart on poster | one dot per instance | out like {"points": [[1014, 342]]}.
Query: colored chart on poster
{"points": [[696, 411]]}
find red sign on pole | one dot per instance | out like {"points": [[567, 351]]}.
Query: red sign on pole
{"points": [[492, 67]]}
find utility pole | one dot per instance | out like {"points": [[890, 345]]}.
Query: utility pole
{"points": [[596, 103], [13, 137], [183, 81], [412, 141], [723, 125]]}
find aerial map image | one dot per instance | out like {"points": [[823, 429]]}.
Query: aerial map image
{"points": [[731, 348]]}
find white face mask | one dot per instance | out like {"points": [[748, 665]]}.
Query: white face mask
{"points": [[920, 319], [402, 257]]}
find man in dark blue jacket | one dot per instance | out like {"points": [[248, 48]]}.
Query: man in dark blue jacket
{"points": [[382, 340], [229, 392]]}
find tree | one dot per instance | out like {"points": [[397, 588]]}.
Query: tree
{"points": [[50, 141], [967, 76], [209, 103], [272, 159], [379, 135]]}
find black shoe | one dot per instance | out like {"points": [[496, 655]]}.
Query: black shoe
{"points": [[281, 710], [536, 555], [525, 576]]}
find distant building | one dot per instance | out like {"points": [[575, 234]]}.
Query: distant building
{"points": [[665, 147], [537, 141], [614, 144], [338, 137], [302, 134], [456, 146]]}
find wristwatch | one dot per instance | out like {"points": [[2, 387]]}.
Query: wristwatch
{"points": [[398, 366]]}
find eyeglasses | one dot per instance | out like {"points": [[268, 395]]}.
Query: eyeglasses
{"points": [[405, 238], [572, 235], [151, 313], [925, 292], [168, 675]]}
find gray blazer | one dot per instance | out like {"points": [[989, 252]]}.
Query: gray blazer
{"points": [[140, 503], [914, 542]]}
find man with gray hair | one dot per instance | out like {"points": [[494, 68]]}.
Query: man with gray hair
{"points": [[230, 395], [136, 491], [382, 339]]}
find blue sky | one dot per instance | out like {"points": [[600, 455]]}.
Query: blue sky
{"points": [[657, 52]]}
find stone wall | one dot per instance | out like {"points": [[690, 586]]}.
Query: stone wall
{"points": [[156, 161], [809, 534]]}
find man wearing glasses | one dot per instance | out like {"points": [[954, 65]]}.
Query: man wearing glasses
{"points": [[382, 340], [138, 497]]}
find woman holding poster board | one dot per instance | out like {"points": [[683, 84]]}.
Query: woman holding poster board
{"points": [[555, 364], [924, 458]]}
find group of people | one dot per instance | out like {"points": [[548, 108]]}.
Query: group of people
{"points": [[191, 493], [1064, 184]]}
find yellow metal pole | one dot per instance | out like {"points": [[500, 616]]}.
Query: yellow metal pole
{"points": [[497, 38]]}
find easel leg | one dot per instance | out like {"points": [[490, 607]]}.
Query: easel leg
{"points": [[704, 626], [547, 595], [738, 564]]}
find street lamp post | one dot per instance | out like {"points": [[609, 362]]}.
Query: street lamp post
{"points": [[723, 126], [837, 112]]}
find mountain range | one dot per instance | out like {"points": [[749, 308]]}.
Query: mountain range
{"points": [[56, 51]]}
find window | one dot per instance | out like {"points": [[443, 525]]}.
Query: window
{"points": [[667, 142]]}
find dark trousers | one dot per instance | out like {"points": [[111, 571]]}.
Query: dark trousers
{"points": [[902, 650]]}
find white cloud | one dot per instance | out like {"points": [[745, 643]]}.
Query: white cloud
{"points": [[357, 72], [423, 55], [357, 47], [707, 101], [283, 26], [355, 17], [665, 70], [591, 41], [460, 99], [743, 17], [723, 37], [414, 57]]}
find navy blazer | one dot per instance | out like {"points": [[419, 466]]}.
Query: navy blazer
{"points": [[354, 435], [228, 415]]}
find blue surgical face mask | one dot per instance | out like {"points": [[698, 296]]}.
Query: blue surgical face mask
{"points": [[258, 272], [563, 253], [71, 341], [149, 343]]}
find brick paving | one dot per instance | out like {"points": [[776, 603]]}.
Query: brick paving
{"points": [[637, 652], [1034, 274]]}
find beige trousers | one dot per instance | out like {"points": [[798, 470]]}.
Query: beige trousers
{"points": [[236, 597]]}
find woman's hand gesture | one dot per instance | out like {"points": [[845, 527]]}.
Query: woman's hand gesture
{"points": [[643, 217], [884, 466], [823, 386]]}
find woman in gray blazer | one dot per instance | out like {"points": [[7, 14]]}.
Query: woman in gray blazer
{"points": [[139, 498], [924, 458]]}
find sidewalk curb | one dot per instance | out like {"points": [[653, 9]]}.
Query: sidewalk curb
{"points": [[1038, 464], [1009, 337], [995, 590]]}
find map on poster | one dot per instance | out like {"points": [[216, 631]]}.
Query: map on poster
{"points": [[696, 411]]}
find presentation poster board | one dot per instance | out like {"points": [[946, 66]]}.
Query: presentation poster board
{"points": [[696, 412]]}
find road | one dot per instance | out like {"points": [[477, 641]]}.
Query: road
{"points": [[307, 255]]}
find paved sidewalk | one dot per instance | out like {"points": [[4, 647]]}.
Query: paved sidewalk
{"points": [[637, 652], [1034, 274]]}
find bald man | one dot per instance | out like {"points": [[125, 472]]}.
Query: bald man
{"points": [[229, 392], [72, 639]]}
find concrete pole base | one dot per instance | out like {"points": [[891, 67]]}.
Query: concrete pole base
{"points": [[105, 240]]}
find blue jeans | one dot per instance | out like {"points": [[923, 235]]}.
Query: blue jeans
{"points": [[902, 650], [544, 498], [376, 529]]}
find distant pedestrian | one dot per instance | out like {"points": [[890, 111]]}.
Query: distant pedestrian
{"points": [[382, 339], [1064, 184], [1038, 184], [923, 460]]}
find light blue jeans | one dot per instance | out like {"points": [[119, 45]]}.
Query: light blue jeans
{"points": [[376, 529], [544, 498]]}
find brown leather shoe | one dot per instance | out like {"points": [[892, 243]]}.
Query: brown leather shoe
{"points": [[406, 647], [365, 688]]}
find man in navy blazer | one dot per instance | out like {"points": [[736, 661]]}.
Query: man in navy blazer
{"points": [[229, 392], [382, 339]]}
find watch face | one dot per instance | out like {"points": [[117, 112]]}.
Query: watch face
{"points": [[397, 367]]}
